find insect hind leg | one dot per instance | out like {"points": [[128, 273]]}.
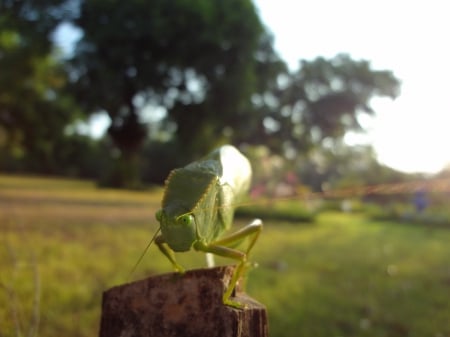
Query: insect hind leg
{"points": [[253, 229], [220, 248]]}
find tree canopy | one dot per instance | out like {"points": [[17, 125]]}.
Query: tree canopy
{"points": [[209, 65], [321, 101], [197, 59], [33, 109]]}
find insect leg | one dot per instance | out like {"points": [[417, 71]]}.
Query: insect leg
{"points": [[254, 228], [219, 248], [168, 252]]}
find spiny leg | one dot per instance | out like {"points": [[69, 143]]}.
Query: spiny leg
{"points": [[253, 229], [219, 248], [168, 252]]}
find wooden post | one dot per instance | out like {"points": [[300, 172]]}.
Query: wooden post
{"points": [[181, 305]]}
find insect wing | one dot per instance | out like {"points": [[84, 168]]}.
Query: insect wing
{"points": [[236, 171], [185, 188]]}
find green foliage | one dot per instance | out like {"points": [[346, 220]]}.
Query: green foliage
{"points": [[159, 159], [33, 109], [350, 205], [196, 60], [71, 156], [404, 213], [321, 101], [346, 275], [292, 211], [210, 65], [344, 167]]}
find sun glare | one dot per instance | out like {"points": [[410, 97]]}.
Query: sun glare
{"points": [[411, 133]]}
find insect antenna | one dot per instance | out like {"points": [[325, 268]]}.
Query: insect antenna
{"points": [[143, 254]]}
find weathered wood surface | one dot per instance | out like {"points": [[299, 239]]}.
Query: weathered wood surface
{"points": [[181, 305]]}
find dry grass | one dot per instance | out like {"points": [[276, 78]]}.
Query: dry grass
{"points": [[43, 202]]}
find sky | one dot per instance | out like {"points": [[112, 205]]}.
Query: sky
{"points": [[411, 133], [407, 37]]}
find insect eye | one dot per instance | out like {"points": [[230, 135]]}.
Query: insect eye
{"points": [[159, 215], [185, 219]]}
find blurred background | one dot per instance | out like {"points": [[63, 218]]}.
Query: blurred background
{"points": [[340, 106]]}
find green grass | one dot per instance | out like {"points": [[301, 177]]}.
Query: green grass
{"points": [[63, 242], [351, 277]]}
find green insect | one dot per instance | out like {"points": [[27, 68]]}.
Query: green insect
{"points": [[198, 207]]}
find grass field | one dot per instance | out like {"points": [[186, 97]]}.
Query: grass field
{"points": [[63, 242]]}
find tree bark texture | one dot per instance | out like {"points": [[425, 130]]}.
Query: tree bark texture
{"points": [[185, 305]]}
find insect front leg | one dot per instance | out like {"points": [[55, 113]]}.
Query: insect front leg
{"points": [[219, 247], [168, 252]]}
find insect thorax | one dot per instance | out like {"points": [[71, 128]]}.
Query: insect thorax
{"points": [[198, 193]]}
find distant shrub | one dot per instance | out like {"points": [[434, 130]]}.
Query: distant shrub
{"points": [[406, 214], [290, 211], [344, 205]]}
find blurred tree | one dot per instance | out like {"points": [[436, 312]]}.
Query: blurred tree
{"points": [[198, 59], [209, 64], [82, 156], [346, 166], [33, 113], [320, 102]]}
